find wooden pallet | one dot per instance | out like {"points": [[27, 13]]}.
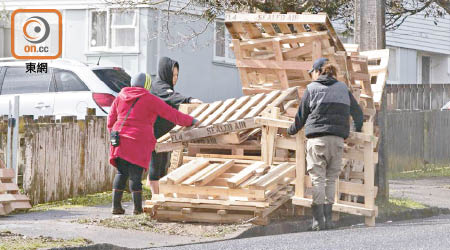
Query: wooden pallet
{"points": [[275, 51], [360, 148], [10, 197], [233, 117], [223, 191]]}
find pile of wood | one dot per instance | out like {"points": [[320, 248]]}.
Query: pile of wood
{"points": [[223, 191], [10, 197], [273, 53]]}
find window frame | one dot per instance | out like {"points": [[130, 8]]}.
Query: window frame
{"points": [[109, 32], [223, 59], [419, 67]]}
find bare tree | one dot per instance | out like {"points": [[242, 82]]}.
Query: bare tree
{"points": [[192, 12]]}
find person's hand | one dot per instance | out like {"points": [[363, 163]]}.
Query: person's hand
{"points": [[196, 101], [194, 122]]}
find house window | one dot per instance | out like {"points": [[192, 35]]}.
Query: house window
{"points": [[114, 30], [426, 69], [222, 41], [392, 66]]}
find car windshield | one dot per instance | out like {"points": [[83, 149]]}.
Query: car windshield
{"points": [[116, 79]]}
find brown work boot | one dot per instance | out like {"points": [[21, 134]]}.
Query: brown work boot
{"points": [[117, 202]]}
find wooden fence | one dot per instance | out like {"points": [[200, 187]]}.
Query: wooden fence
{"points": [[413, 139], [63, 159], [417, 96]]}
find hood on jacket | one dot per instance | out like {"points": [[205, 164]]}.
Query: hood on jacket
{"points": [[326, 80], [131, 93], [165, 70]]}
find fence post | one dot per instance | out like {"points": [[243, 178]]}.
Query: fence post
{"points": [[15, 137]]}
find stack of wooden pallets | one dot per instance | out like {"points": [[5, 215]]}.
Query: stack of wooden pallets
{"points": [[273, 53], [10, 197], [223, 191]]}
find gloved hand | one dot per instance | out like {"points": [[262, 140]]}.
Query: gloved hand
{"points": [[291, 130], [194, 122], [195, 101]]}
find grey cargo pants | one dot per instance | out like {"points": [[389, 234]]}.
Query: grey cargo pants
{"points": [[324, 163]]}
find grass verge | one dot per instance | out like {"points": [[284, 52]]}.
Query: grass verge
{"points": [[427, 172], [398, 205], [86, 200], [11, 241]]}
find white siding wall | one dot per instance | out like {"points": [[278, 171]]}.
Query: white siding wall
{"points": [[420, 33]]}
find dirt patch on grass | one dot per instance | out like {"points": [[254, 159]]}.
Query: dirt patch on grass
{"points": [[11, 241], [144, 223]]}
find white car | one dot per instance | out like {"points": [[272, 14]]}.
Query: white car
{"points": [[67, 89]]}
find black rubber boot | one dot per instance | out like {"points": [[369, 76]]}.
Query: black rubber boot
{"points": [[318, 218], [117, 202], [137, 200], [328, 212]]}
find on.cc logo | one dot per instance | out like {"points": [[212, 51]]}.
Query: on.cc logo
{"points": [[36, 29]]}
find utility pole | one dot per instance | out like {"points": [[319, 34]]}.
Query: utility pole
{"points": [[370, 24], [370, 34]]}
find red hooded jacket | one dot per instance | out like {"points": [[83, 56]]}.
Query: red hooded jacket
{"points": [[136, 137]]}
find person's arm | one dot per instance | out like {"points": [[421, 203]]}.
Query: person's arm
{"points": [[112, 117], [356, 113], [167, 112], [173, 98], [302, 115]]}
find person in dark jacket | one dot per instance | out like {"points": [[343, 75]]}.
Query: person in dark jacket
{"points": [[163, 87], [133, 114], [325, 110]]}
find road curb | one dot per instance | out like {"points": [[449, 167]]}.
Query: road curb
{"points": [[301, 224]]}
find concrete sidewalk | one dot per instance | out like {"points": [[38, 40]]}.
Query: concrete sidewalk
{"points": [[59, 224]]}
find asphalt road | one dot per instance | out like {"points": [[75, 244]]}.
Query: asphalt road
{"points": [[431, 233]]}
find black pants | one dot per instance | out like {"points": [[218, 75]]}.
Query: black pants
{"points": [[159, 165], [125, 170]]}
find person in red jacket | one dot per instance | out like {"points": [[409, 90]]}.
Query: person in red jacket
{"points": [[133, 154]]}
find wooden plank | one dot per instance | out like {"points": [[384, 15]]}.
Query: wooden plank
{"points": [[344, 208], [268, 28], [214, 129], [276, 18], [218, 112], [246, 108], [7, 173], [277, 178], [199, 174], [246, 173], [230, 111], [264, 64], [271, 174], [214, 173], [227, 204], [263, 104], [239, 54], [211, 108], [258, 195], [284, 28], [300, 164], [297, 52], [185, 171], [202, 217], [281, 74], [252, 30]]}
